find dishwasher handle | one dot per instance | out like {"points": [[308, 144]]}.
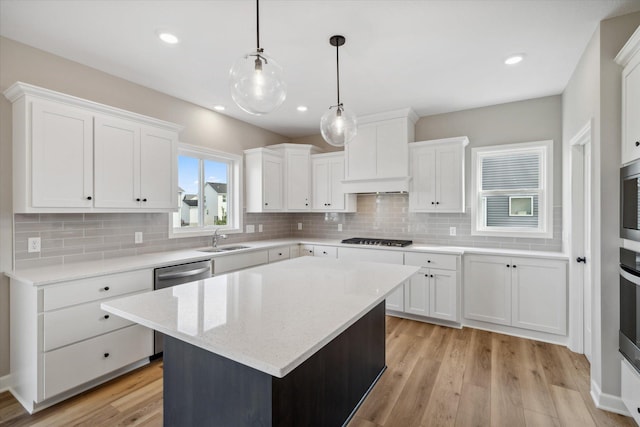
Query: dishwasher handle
{"points": [[181, 274]]}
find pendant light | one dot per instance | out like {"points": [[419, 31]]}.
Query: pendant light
{"points": [[338, 125], [256, 80]]}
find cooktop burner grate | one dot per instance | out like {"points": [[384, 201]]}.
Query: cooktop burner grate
{"points": [[377, 242]]}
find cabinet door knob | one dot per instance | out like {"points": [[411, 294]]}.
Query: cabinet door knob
{"points": [[581, 259], [306, 204], [266, 204], [431, 275], [324, 252], [508, 265], [106, 316], [89, 197], [428, 261], [106, 355], [138, 199], [637, 143], [279, 253], [106, 288], [426, 275], [144, 200], [437, 203], [433, 203], [514, 266]]}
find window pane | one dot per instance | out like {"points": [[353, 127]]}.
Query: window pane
{"points": [[513, 171], [188, 180], [496, 210], [215, 193]]}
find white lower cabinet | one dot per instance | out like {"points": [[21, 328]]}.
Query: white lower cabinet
{"points": [[325, 251], [233, 262], [433, 292], [630, 389], [528, 293], [61, 340], [279, 254]]}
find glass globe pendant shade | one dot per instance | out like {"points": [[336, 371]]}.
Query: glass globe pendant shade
{"points": [[338, 126], [257, 83]]}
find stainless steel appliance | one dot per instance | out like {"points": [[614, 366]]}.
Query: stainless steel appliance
{"points": [[629, 336], [377, 242], [165, 277], [629, 201]]}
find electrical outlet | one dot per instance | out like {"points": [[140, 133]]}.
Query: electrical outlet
{"points": [[452, 231], [299, 226], [34, 244], [259, 228], [137, 237], [251, 228], [339, 227]]}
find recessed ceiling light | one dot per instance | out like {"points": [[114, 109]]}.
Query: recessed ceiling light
{"points": [[168, 37], [302, 108], [514, 59], [219, 107]]}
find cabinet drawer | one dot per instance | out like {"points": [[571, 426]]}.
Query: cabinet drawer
{"points": [[76, 364], [371, 255], [278, 254], [630, 389], [77, 323], [325, 251], [96, 288], [419, 259], [306, 250]]}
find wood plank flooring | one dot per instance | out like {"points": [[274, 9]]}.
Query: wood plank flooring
{"points": [[436, 376]]}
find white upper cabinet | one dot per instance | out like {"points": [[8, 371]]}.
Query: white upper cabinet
{"points": [[297, 175], [264, 170], [61, 156], [326, 177], [73, 155], [629, 58], [437, 172], [377, 159]]}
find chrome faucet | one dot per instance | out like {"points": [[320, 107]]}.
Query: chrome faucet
{"points": [[217, 236]]}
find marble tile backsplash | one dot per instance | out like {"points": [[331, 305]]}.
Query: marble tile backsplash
{"points": [[67, 238]]}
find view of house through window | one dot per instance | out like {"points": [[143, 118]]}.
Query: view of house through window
{"points": [[202, 193], [513, 189]]}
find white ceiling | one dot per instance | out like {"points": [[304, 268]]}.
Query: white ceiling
{"points": [[433, 55]]}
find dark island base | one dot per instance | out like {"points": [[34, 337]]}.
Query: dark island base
{"points": [[204, 389]]}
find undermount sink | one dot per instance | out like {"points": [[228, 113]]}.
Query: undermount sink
{"points": [[225, 248]]}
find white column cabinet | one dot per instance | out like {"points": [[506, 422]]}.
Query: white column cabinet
{"points": [[629, 58], [327, 172], [296, 175], [73, 155], [528, 293], [264, 171], [437, 172]]}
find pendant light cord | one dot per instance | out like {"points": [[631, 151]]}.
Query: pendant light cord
{"points": [[338, 72], [258, 24]]}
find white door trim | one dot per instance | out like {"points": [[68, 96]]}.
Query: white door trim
{"points": [[576, 237]]}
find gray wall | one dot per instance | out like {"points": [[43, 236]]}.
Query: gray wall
{"points": [[19, 62], [594, 93], [524, 121]]}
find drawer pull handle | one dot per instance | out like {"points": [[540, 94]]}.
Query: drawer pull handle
{"points": [[514, 266], [89, 197], [106, 316], [106, 355], [106, 288], [638, 145], [426, 275], [144, 200], [279, 253], [429, 261]]}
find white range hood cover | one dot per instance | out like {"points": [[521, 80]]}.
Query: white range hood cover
{"points": [[377, 185]]}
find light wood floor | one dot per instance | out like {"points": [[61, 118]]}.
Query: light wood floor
{"points": [[436, 376]]}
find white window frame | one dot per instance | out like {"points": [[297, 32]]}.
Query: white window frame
{"points": [[545, 192], [234, 203]]}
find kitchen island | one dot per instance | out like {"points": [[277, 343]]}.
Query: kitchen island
{"points": [[298, 342]]}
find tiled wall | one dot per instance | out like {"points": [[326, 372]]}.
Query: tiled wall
{"points": [[67, 238], [387, 216], [80, 237]]}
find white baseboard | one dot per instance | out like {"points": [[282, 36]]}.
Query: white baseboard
{"points": [[607, 402], [5, 383]]}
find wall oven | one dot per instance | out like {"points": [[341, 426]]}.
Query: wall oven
{"points": [[630, 306], [629, 199]]}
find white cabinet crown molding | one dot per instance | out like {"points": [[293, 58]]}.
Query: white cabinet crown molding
{"points": [[388, 115], [456, 139], [20, 89], [630, 48]]}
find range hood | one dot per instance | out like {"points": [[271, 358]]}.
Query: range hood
{"points": [[398, 184], [377, 159]]}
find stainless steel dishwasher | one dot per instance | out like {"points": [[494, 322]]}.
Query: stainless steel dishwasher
{"points": [[166, 277]]}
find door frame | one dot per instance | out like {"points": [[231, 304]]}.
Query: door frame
{"points": [[576, 242]]}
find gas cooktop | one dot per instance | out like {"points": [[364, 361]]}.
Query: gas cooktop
{"points": [[378, 242]]}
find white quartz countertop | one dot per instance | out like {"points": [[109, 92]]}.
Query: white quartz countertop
{"points": [[272, 317], [59, 273]]}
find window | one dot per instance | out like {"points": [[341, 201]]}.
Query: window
{"points": [[513, 189], [208, 192]]}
